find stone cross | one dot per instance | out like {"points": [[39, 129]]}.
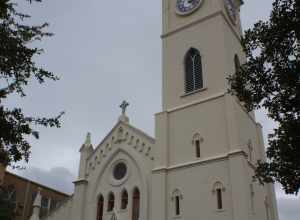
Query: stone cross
{"points": [[124, 106]]}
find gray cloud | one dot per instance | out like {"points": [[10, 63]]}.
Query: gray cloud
{"points": [[289, 208]]}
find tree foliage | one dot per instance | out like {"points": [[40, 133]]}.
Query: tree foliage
{"points": [[17, 69], [270, 79]]}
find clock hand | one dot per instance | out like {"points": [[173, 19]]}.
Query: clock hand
{"points": [[187, 3]]}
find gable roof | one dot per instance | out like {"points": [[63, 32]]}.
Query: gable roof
{"points": [[136, 130]]}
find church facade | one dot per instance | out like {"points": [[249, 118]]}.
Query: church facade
{"points": [[201, 162]]}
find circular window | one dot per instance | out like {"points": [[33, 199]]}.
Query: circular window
{"points": [[120, 171]]}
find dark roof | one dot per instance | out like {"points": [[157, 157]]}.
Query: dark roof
{"points": [[36, 183]]}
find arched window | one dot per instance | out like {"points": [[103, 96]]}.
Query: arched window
{"points": [[193, 71], [124, 199], [136, 204], [252, 194], [237, 63], [111, 202], [197, 140], [197, 145], [250, 150], [177, 200], [218, 192], [100, 208]]}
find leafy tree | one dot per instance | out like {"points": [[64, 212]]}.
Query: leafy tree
{"points": [[270, 79], [17, 69]]}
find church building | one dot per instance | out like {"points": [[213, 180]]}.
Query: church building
{"points": [[200, 165]]}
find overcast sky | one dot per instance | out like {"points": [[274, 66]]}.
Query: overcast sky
{"points": [[104, 52]]}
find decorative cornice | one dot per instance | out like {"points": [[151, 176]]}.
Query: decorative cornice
{"points": [[199, 162], [186, 26], [176, 30], [130, 127], [80, 181], [218, 95]]}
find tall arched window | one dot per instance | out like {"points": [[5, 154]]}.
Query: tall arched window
{"points": [[136, 204], [193, 71], [218, 192], [250, 150], [100, 208], [197, 140], [237, 63], [252, 194], [177, 200], [111, 202], [124, 199]]}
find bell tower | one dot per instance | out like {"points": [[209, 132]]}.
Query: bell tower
{"points": [[212, 27], [206, 143]]}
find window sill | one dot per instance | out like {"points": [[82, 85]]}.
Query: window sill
{"points": [[220, 210], [177, 217], [193, 92]]}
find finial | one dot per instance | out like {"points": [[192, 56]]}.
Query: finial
{"points": [[88, 139], [124, 106]]}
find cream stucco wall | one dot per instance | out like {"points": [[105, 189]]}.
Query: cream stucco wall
{"points": [[224, 158]]}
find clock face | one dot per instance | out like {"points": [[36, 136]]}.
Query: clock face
{"points": [[184, 7], [231, 9]]}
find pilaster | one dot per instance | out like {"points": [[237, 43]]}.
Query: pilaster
{"points": [[162, 140], [232, 127], [79, 199], [159, 195], [159, 180], [238, 181]]}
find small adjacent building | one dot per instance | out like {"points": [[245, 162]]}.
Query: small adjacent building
{"points": [[24, 191]]}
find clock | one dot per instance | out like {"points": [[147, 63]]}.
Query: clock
{"points": [[184, 7], [231, 10]]}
